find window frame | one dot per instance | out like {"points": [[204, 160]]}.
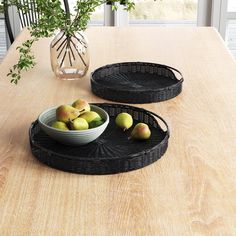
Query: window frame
{"points": [[210, 13], [220, 16], [203, 16]]}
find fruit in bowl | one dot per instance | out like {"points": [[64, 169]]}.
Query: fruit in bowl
{"points": [[59, 125], [79, 124], [66, 113], [81, 105], [66, 125], [91, 116]]}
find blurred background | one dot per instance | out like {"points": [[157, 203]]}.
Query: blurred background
{"points": [[220, 14]]}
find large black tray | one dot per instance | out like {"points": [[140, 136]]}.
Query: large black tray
{"points": [[111, 153], [136, 82]]}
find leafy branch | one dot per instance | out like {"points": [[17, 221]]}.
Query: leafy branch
{"points": [[52, 17], [26, 61], [1, 8]]}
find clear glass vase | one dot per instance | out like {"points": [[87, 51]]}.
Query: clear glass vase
{"points": [[69, 55]]}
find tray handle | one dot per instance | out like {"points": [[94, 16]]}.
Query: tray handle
{"points": [[163, 121], [172, 68]]}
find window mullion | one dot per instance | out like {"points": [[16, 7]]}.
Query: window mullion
{"points": [[223, 18], [204, 12], [108, 15], [121, 17], [215, 14], [219, 16]]}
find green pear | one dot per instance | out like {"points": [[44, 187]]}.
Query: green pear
{"points": [[141, 131], [89, 116], [95, 123], [59, 125], [79, 124], [66, 113], [81, 105], [124, 120]]}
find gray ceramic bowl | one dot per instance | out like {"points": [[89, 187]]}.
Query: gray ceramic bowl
{"points": [[72, 137]]}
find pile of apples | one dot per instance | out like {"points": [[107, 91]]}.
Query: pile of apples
{"points": [[77, 116]]}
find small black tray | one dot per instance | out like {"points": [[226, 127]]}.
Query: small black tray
{"points": [[111, 153], [136, 82]]}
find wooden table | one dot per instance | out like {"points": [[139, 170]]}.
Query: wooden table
{"points": [[191, 190]]}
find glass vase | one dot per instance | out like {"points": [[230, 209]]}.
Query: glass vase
{"points": [[69, 55]]}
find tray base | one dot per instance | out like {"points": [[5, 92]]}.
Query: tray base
{"points": [[111, 153], [136, 82]]}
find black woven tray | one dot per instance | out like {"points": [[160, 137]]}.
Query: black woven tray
{"points": [[111, 153], [136, 82]]}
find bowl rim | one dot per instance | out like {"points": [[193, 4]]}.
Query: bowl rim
{"points": [[86, 131]]}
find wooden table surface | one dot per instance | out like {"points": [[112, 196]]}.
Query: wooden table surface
{"points": [[191, 190]]}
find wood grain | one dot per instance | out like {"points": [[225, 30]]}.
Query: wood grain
{"points": [[190, 191]]}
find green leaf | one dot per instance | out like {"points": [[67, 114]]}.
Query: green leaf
{"points": [[53, 17]]}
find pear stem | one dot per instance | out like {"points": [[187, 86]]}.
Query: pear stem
{"points": [[82, 110], [71, 121]]}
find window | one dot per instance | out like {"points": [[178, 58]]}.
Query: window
{"points": [[231, 6], [218, 13], [97, 17], [230, 35], [3, 46], [224, 19], [168, 12]]}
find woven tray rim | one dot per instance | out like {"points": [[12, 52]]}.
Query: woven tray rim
{"points": [[178, 83], [69, 157]]}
